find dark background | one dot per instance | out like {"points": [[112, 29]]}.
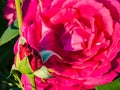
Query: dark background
{"points": [[6, 54]]}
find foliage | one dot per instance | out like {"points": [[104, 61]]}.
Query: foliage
{"points": [[6, 56], [115, 85]]}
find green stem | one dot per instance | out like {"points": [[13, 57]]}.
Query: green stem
{"points": [[32, 81], [19, 13]]}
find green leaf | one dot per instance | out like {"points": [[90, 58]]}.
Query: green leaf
{"points": [[42, 73], [24, 66], [10, 33], [16, 74], [46, 54], [115, 85], [13, 71]]}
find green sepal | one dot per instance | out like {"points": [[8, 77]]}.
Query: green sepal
{"points": [[24, 66], [17, 62], [114, 85], [13, 70], [10, 33], [46, 54], [42, 73], [14, 67]]}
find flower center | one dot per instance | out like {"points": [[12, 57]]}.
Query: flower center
{"points": [[75, 36]]}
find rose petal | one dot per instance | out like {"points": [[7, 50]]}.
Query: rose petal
{"points": [[26, 82], [31, 28]]}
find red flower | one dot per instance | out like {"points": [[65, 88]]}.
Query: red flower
{"points": [[9, 11], [31, 29], [85, 33]]}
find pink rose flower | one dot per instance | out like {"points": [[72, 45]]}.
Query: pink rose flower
{"points": [[85, 33], [34, 59], [31, 29], [9, 11]]}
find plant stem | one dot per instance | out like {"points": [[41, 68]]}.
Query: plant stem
{"points": [[19, 13]]}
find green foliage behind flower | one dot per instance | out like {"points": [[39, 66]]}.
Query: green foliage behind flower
{"points": [[6, 55]]}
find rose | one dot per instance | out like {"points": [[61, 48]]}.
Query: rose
{"points": [[32, 25], [84, 33], [27, 61], [9, 11], [90, 52], [33, 56], [27, 44]]}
